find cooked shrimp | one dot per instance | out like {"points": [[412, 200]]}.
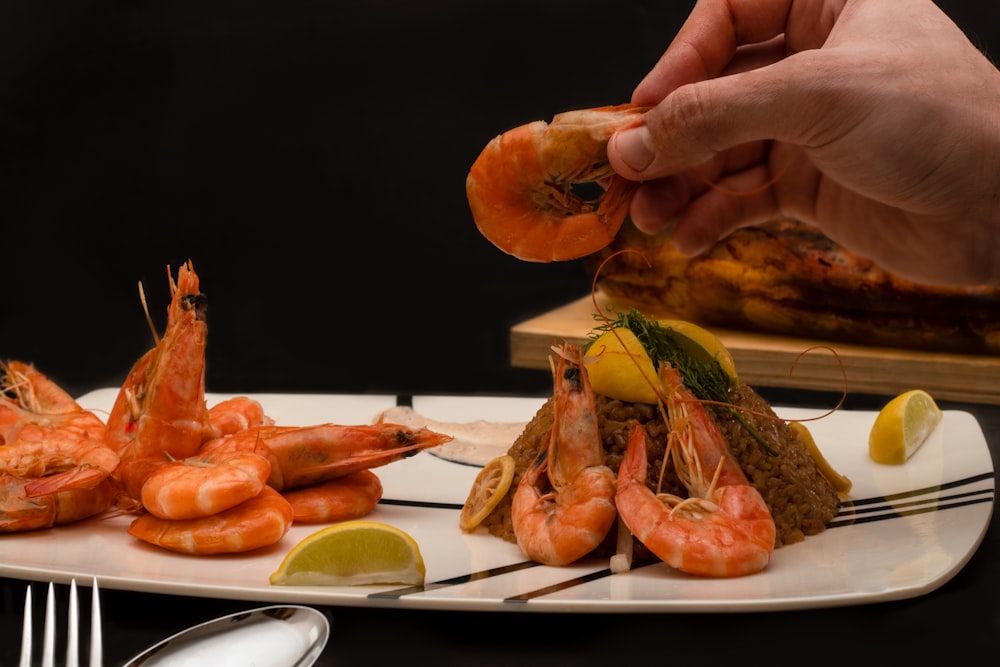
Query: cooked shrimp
{"points": [[236, 414], [33, 407], [349, 497], [304, 455], [58, 464], [724, 527], [161, 408], [563, 516], [48, 437], [261, 521], [19, 512], [520, 188], [203, 485]]}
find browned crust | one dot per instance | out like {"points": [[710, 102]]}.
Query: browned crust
{"points": [[786, 278]]}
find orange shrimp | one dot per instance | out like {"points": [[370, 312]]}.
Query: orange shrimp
{"points": [[236, 414], [33, 407], [349, 497], [160, 411], [161, 408], [520, 188], [203, 485], [19, 512], [48, 437], [261, 521], [304, 455], [564, 516], [724, 529]]}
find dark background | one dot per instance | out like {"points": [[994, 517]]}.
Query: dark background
{"points": [[310, 158]]}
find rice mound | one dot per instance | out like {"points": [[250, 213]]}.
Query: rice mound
{"points": [[800, 498]]}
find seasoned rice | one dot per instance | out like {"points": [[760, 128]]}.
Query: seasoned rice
{"points": [[801, 500]]}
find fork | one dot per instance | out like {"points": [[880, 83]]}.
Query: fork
{"points": [[72, 630]]}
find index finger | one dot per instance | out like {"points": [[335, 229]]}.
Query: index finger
{"points": [[708, 41]]}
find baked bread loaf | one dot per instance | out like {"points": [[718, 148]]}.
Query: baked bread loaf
{"points": [[787, 278]]}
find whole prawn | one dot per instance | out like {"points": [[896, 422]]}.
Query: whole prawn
{"points": [[305, 455], [520, 188], [564, 504], [47, 436], [21, 509], [160, 412], [724, 528], [33, 407], [53, 455]]}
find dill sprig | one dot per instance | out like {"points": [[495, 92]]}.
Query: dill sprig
{"points": [[700, 371]]}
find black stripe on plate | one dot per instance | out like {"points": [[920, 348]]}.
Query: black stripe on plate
{"points": [[455, 581], [892, 514]]}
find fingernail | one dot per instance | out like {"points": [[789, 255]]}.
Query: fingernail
{"points": [[635, 147]]}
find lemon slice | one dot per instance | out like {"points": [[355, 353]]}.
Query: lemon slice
{"points": [[488, 489], [902, 426], [706, 340], [352, 553], [842, 485], [619, 367]]}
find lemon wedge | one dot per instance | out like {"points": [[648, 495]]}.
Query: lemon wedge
{"points": [[902, 426], [352, 553], [488, 489], [619, 367], [706, 340], [842, 485]]}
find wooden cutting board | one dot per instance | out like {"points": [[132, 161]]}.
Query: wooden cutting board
{"points": [[776, 361]]}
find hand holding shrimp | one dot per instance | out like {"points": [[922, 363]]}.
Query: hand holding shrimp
{"points": [[882, 124]]}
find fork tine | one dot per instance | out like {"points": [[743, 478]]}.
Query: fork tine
{"points": [[26, 631], [73, 628], [49, 631], [96, 641]]}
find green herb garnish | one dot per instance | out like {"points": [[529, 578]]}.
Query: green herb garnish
{"points": [[701, 372]]}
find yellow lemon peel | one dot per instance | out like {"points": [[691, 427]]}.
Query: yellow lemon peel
{"points": [[619, 367], [353, 553], [488, 489], [902, 426]]}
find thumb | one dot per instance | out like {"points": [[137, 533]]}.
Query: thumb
{"points": [[699, 120]]}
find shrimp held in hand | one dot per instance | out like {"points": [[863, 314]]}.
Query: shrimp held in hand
{"points": [[564, 504], [520, 188], [724, 529]]}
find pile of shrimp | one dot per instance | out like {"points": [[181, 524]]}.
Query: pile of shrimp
{"points": [[568, 499], [200, 480]]}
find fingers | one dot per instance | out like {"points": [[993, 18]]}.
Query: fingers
{"points": [[699, 212], [707, 42], [697, 122]]}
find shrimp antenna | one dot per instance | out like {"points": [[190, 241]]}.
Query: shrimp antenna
{"points": [[145, 309]]}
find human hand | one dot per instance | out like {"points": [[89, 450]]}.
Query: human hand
{"points": [[879, 126]]}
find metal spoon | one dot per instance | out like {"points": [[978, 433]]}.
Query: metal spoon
{"points": [[279, 636]]}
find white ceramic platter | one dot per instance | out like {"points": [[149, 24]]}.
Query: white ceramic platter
{"points": [[907, 530]]}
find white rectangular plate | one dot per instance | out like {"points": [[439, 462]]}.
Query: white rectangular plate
{"points": [[906, 531]]}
